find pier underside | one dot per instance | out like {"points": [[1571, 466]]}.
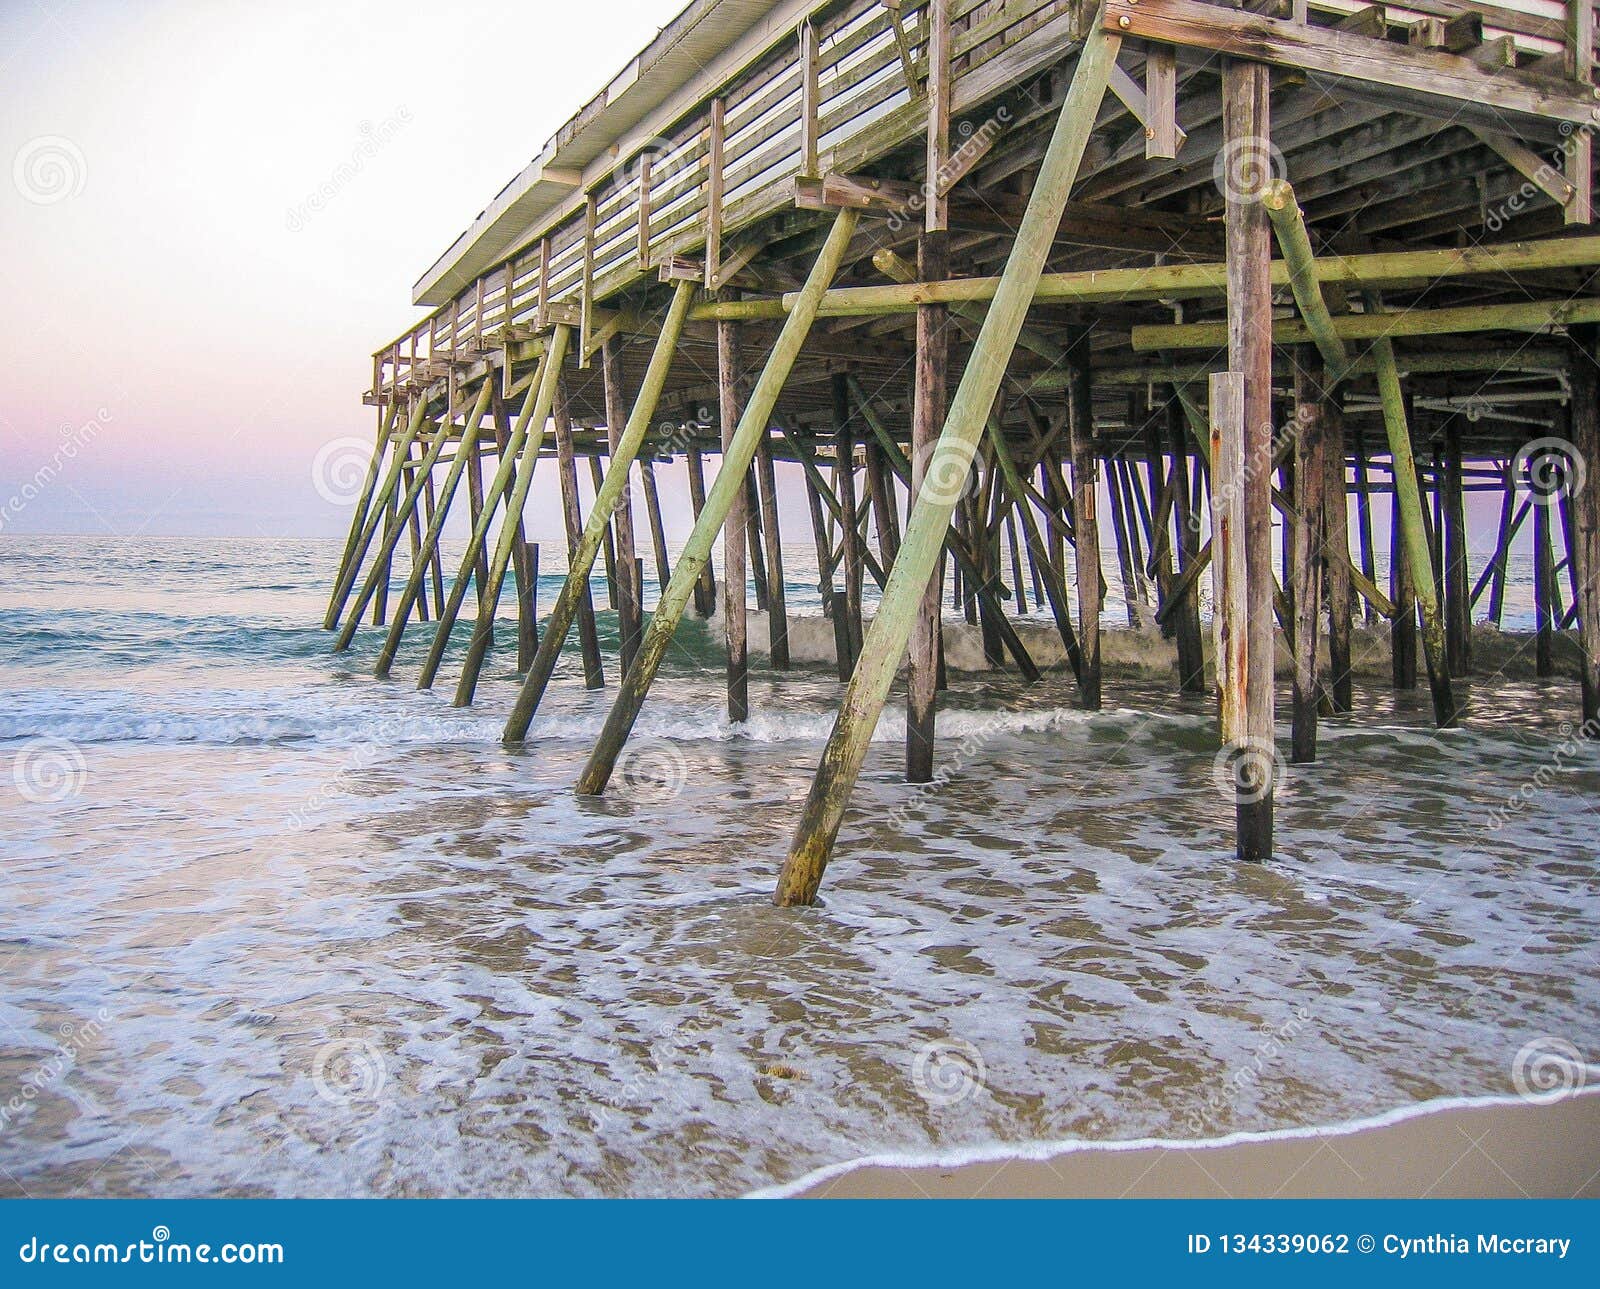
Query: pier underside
{"points": [[1037, 298]]}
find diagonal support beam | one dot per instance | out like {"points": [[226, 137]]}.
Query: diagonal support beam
{"points": [[515, 448], [952, 458], [483, 626], [730, 481], [606, 500], [1289, 225]]}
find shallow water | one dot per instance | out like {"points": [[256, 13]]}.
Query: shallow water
{"points": [[273, 927]]}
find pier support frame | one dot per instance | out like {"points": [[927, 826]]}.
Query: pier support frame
{"points": [[753, 424]]}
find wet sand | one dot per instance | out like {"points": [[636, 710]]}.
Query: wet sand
{"points": [[1497, 1150]]}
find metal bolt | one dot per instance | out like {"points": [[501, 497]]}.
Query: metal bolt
{"points": [[1124, 21]]}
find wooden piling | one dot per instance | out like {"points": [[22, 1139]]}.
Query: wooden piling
{"points": [[1585, 424], [1186, 603], [1402, 590], [1457, 599], [1310, 479], [735, 532], [1085, 521], [1336, 552]]}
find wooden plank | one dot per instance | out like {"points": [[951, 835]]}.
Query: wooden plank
{"points": [[1432, 74]]}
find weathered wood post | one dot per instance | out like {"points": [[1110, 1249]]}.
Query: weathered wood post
{"points": [[844, 482], [629, 441], [1402, 590], [730, 479], [735, 533], [927, 415], [772, 536], [521, 561], [1457, 595], [930, 517], [1544, 590], [705, 591], [1191, 653], [1585, 410], [1336, 545], [358, 517], [1246, 142], [1310, 477], [1085, 520]]}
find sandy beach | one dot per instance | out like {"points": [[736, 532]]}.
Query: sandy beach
{"points": [[1499, 1149]]}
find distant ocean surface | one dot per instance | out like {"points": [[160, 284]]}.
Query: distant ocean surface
{"points": [[273, 927]]}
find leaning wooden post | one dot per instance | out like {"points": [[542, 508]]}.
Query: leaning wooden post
{"points": [[517, 449], [1585, 412], [358, 518], [483, 628], [930, 517], [628, 587], [730, 480], [414, 587], [377, 512], [1310, 477], [1246, 134], [425, 548], [1419, 557], [735, 533], [1085, 522], [572, 518], [582, 559], [521, 561], [1369, 559], [377, 575]]}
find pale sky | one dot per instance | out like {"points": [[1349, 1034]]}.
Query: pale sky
{"points": [[181, 334]]}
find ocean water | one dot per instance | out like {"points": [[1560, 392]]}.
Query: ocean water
{"points": [[272, 927]]}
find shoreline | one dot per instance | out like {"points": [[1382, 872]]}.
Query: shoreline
{"points": [[1457, 1147]]}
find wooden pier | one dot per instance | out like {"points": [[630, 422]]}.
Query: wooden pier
{"points": [[989, 273]]}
